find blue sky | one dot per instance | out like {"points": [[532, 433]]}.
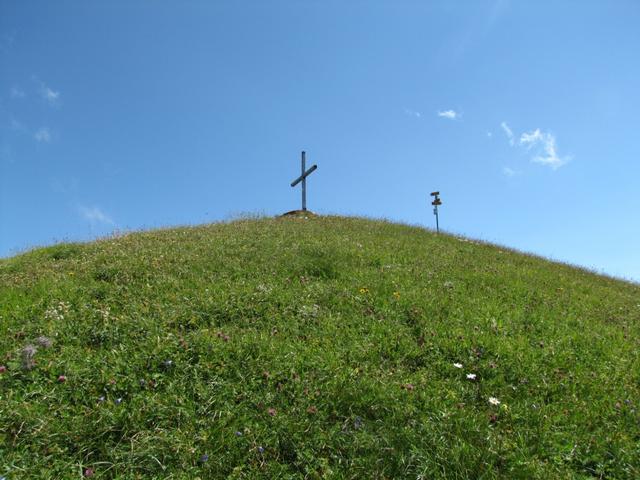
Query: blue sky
{"points": [[124, 115]]}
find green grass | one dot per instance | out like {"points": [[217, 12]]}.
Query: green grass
{"points": [[318, 348]]}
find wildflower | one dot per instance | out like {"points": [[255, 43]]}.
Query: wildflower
{"points": [[493, 418], [118, 401], [28, 354], [494, 401], [408, 386], [62, 378], [204, 458], [88, 472], [396, 295], [471, 376], [238, 434], [101, 399], [3, 368], [312, 410], [44, 342], [167, 363], [364, 290], [261, 450], [142, 382], [272, 411], [457, 365]]}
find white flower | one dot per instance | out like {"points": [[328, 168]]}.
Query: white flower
{"points": [[494, 401], [471, 376], [457, 365]]}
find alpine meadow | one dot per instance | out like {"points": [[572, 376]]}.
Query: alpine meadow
{"points": [[317, 347]]}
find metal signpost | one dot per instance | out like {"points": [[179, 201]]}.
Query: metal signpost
{"points": [[303, 178], [435, 203]]}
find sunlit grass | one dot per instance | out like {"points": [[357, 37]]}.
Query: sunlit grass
{"points": [[320, 348]]}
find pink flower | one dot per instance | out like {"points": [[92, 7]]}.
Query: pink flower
{"points": [[62, 378], [3, 368], [272, 411]]}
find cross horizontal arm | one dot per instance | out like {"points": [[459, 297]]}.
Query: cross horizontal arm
{"points": [[303, 176]]}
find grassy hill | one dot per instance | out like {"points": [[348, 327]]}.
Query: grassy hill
{"points": [[320, 348]]}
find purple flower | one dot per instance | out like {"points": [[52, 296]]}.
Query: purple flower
{"points": [[118, 401], [261, 450], [204, 458], [238, 434]]}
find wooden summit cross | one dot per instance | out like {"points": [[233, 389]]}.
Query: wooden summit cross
{"points": [[303, 178]]}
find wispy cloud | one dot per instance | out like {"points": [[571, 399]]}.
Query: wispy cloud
{"points": [[43, 135], [508, 133], [52, 97], [95, 215], [412, 113], [17, 92], [49, 95], [450, 114], [509, 172], [544, 144]]}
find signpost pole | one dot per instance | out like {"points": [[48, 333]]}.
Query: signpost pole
{"points": [[435, 203]]}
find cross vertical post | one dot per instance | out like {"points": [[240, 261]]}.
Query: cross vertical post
{"points": [[304, 182], [303, 179]]}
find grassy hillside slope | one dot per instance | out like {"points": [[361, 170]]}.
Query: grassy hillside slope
{"points": [[320, 348]]}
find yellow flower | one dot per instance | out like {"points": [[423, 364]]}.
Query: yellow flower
{"points": [[396, 295], [364, 290]]}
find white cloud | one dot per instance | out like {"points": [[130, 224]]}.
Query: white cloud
{"points": [[489, 134], [530, 139], [545, 146], [95, 215], [43, 134], [51, 96], [509, 172], [16, 92], [412, 113], [541, 145], [450, 114], [508, 132]]}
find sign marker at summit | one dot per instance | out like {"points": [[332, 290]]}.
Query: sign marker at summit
{"points": [[303, 178], [435, 203]]}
